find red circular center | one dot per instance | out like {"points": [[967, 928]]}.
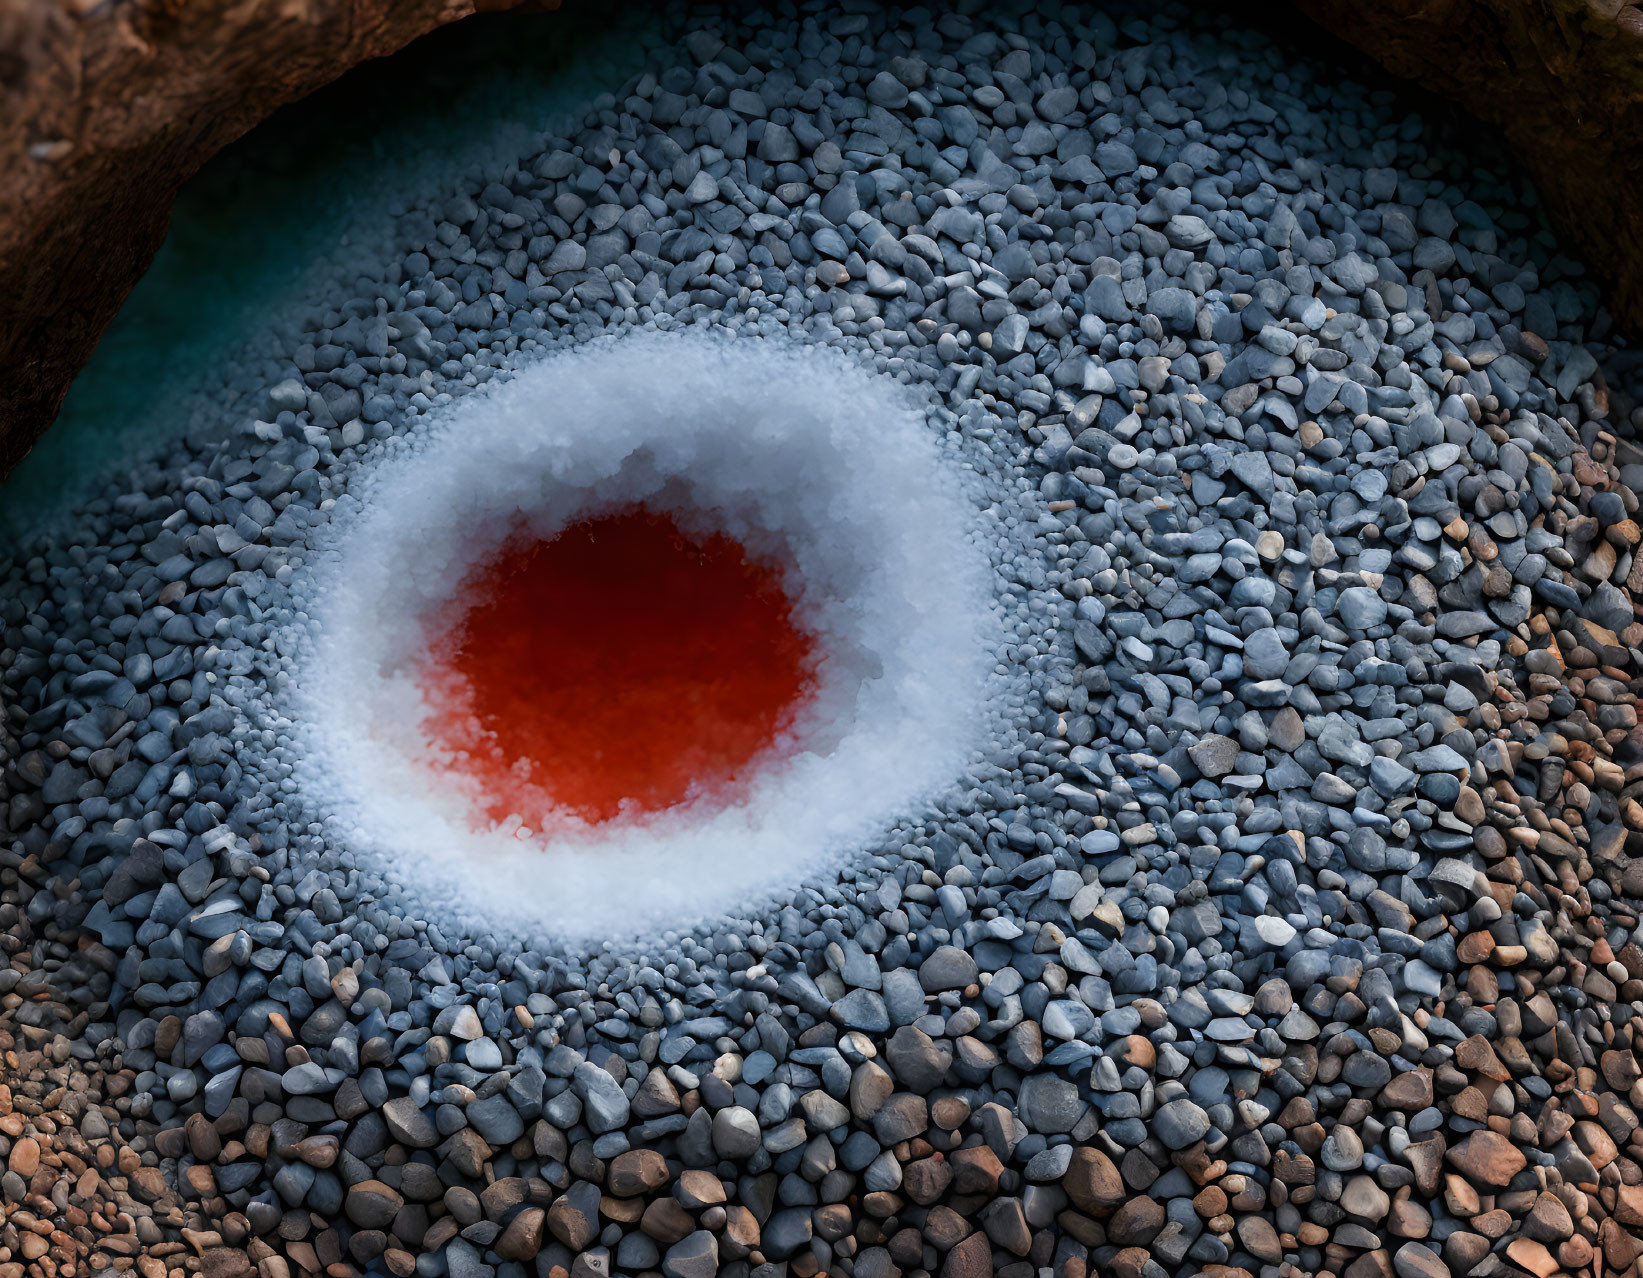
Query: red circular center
{"points": [[623, 663]]}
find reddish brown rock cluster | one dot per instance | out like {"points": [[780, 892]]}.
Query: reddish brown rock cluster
{"points": [[81, 1186]]}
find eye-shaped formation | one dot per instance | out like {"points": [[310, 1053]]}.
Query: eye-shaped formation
{"points": [[883, 679], [1160, 791]]}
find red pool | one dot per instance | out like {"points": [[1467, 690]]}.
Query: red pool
{"points": [[624, 664]]}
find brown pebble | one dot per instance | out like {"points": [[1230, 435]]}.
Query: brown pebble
{"points": [[25, 1157]]}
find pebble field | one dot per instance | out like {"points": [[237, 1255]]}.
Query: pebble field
{"points": [[1213, 843]]}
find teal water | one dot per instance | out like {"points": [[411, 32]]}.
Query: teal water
{"points": [[269, 223]]}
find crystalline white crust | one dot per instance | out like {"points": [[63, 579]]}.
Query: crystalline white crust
{"points": [[798, 454]]}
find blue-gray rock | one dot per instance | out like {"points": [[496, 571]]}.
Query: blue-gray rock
{"points": [[695, 1255], [1179, 1123], [496, 1120], [1360, 608], [1050, 1104], [947, 968], [604, 1104]]}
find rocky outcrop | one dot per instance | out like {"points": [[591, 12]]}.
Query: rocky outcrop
{"points": [[105, 110]]}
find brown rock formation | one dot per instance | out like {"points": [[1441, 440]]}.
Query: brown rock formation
{"points": [[105, 110]]}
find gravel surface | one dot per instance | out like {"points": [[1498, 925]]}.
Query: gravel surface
{"points": [[1291, 927]]}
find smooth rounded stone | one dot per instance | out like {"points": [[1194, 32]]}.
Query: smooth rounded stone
{"points": [[1179, 1123], [1342, 1150], [1360, 608], [1050, 1104], [484, 1054], [1363, 1198], [373, 1205], [758, 1067], [24, 1159], [947, 968], [1273, 997], [1274, 931], [699, 1189], [637, 1252], [736, 1131], [1265, 656], [1260, 1238], [1093, 1182], [1417, 1260], [1068, 1020], [886, 91], [1200, 567]]}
